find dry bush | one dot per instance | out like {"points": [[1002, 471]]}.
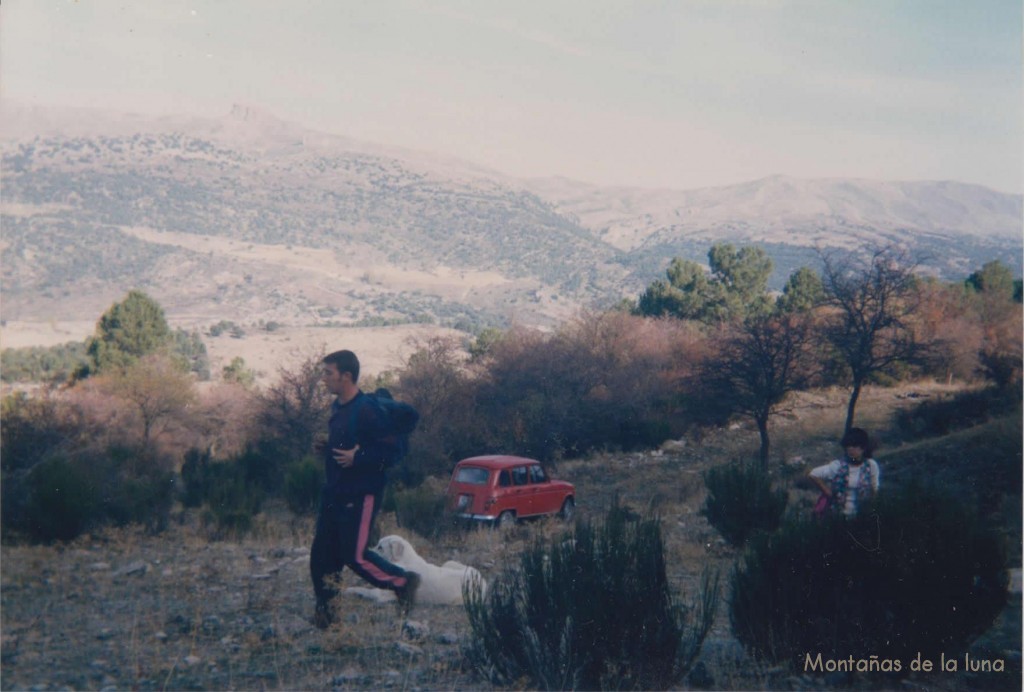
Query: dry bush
{"points": [[1001, 348], [945, 320], [223, 421], [603, 380], [435, 381], [156, 393]]}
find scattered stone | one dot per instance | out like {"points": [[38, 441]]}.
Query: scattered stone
{"points": [[167, 572], [415, 630], [672, 446], [104, 634], [408, 649], [1015, 581], [352, 619], [448, 638], [211, 625], [192, 660], [393, 678], [259, 577], [350, 676], [99, 566], [160, 636], [136, 568]]}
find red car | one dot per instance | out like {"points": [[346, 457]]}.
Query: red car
{"points": [[502, 489]]}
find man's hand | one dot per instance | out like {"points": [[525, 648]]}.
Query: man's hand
{"points": [[345, 457]]}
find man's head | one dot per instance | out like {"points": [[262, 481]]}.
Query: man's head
{"points": [[341, 372]]}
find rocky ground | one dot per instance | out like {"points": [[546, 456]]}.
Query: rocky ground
{"points": [[185, 609]]}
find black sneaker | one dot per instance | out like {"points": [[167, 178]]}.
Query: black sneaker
{"points": [[407, 594], [322, 617]]}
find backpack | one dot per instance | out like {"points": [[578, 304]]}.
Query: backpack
{"points": [[400, 420]]}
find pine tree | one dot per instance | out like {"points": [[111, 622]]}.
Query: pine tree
{"points": [[133, 328]]}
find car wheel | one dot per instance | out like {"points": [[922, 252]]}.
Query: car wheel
{"points": [[568, 509], [506, 519]]}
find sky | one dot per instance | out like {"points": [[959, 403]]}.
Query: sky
{"points": [[669, 94]]}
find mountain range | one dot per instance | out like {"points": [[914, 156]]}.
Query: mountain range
{"points": [[247, 217]]}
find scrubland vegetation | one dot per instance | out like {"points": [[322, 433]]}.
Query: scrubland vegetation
{"points": [[129, 462]]}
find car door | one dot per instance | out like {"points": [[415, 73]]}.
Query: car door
{"points": [[521, 492], [546, 499]]}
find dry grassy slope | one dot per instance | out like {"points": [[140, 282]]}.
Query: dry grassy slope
{"points": [[186, 610]]}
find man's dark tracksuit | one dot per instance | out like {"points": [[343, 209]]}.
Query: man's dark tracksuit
{"points": [[350, 500]]}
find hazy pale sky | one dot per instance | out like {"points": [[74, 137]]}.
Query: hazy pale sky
{"points": [[684, 93]]}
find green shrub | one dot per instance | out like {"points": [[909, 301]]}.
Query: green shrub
{"points": [[422, 509], [143, 499], [62, 501], [943, 416], [33, 429], [589, 611], [193, 478], [229, 498], [302, 483], [227, 490], [741, 501], [914, 572]]}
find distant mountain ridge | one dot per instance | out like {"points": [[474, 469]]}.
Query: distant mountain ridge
{"points": [[784, 203], [251, 217]]}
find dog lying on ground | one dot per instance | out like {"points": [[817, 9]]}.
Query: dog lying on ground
{"points": [[438, 585]]}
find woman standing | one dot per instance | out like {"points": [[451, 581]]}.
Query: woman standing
{"points": [[846, 483]]}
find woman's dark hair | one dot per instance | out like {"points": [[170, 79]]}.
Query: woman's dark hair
{"points": [[344, 361], [858, 437]]}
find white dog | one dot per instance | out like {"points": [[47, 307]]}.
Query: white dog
{"points": [[438, 585]]}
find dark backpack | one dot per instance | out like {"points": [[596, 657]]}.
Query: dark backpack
{"points": [[400, 420]]}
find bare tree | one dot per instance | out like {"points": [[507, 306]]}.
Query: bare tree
{"points": [[874, 296], [159, 389], [758, 363], [295, 408]]}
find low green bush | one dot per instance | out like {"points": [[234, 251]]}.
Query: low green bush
{"points": [[62, 496], [421, 509], [231, 501], [302, 483], [230, 497], [133, 492], [932, 418], [63, 501], [915, 572], [193, 478], [742, 501], [589, 610]]}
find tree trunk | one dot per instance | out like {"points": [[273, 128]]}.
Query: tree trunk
{"points": [[762, 429], [852, 406]]}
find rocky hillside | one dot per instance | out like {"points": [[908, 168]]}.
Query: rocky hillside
{"points": [[249, 217]]}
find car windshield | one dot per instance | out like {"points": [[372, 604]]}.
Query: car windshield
{"points": [[473, 475]]}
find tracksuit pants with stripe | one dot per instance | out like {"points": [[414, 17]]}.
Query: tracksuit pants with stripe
{"points": [[342, 536]]}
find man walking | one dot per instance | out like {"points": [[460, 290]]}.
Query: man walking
{"points": [[355, 455]]}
